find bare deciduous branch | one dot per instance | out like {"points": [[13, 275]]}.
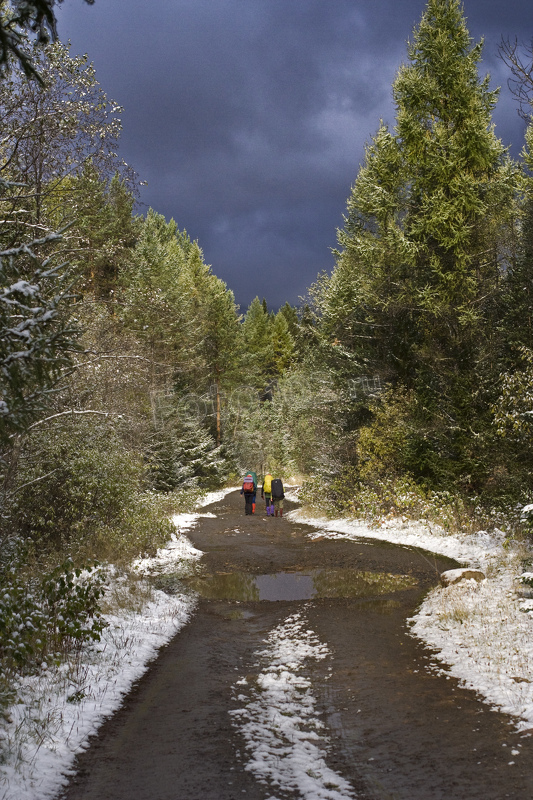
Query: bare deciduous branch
{"points": [[519, 59]]}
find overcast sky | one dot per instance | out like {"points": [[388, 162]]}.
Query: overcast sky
{"points": [[248, 118]]}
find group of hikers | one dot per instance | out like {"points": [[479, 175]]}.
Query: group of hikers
{"points": [[271, 492]]}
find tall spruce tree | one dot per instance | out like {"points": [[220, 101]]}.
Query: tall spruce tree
{"points": [[257, 345], [282, 345], [104, 230], [415, 296], [221, 345]]}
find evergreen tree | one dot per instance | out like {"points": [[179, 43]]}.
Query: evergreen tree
{"points": [[154, 303], [188, 316], [518, 286], [182, 452], [291, 316], [257, 344], [268, 344], [282, 345], [415, 296], [222, 345], [104, 231]]}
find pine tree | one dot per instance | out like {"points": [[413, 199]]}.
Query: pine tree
{"points": [[182, 452], [104, 229], [153, 302], [222, 346], [187, 314]]}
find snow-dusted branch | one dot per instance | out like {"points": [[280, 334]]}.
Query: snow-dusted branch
{"points": [[73, 412], [28, 247], [36, 338], [29, 483]]}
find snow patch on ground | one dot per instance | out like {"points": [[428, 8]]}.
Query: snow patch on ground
{"points": [[60, 709], [291, 493], [482, 631], [471, 550], [284, 737], [219, 494], [178, 549]]}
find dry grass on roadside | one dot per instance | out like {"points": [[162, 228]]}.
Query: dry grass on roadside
{"points": [[127, 592]]}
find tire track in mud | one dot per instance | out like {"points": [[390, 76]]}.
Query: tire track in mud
{"points": [[386, 725]]}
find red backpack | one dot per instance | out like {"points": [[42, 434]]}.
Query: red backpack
{"points": [[248, 485]]}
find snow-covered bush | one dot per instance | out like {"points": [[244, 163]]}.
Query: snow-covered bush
{"points": [[46, 616], [144, 526], [36, 339], [74, 476], [400, 497]]}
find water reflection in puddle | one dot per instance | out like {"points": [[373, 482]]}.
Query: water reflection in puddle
{"points": [[318, 583]]}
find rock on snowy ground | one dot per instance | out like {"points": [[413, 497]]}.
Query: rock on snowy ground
{"points": [[462, 574]]}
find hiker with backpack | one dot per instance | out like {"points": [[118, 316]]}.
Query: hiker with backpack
{"points": [[278, 494], [266, 494], [249, 488]]}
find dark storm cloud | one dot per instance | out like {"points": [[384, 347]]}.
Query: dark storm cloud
{"points": [[248, 118]]}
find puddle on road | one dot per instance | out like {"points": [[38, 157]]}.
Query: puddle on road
{"points": [[320, 583]]}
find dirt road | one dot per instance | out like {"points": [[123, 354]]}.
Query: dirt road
{"points": [[297, 678]]}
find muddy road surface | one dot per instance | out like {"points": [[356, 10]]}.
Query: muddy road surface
{"points": [[297, 678]]}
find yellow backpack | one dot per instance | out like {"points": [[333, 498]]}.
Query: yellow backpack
{"points": [[267, 485]]}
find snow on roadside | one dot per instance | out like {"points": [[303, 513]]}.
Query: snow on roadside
{"points": [[179, 548], [284, 737], [482, 631], [479, 630], [471, 550], [59, 709]]}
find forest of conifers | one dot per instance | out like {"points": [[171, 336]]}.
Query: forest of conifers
{"points": [[130, 382]]}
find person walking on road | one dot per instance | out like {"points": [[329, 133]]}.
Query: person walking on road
{"points": [[266, 494], [249, 488], [256, 483], [277, 496]]}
